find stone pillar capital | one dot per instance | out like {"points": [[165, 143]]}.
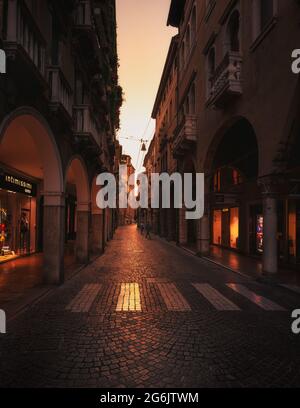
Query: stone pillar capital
{"points": [[53, 198], [84, 206], [270, 184]]}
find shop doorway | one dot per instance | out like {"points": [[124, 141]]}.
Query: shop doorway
{"points": [[226, 227], [17, 224]]}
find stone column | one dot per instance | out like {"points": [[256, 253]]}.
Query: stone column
{"points": [[97, 232], [182, 227], [270, 253], [53, 239], [82, 233], [203, 242], [171, 224]]}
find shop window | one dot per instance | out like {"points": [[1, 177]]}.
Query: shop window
{"points": [[259, 233], [17, 224], [293, 231], [226, 227], [234, 228]]}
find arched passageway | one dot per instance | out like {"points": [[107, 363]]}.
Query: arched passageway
{"points": [[98, 222], [31, 192], [236, 209], [77, 218]]}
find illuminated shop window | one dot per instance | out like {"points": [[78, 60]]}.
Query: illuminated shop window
{"points": [[234, 227]]}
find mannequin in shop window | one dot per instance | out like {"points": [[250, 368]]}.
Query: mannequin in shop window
{"points": [[24, 230]]}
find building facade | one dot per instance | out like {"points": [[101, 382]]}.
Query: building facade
{"points": [[127, 216], [159, 158], [238, 122], [59, 111]]}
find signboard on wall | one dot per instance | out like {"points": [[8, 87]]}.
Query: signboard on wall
{"points": [[17, 184]]}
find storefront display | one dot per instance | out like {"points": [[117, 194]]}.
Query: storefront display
{"points": [[226, 227], [294, 231], [17, 217], [259, 233]]}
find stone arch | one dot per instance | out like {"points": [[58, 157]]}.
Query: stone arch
{"points": [[28, 145], [232, 166], [219, 137], [32, 121], [80, 177], [76, 175]]}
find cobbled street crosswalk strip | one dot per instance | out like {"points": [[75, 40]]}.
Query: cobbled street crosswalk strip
{"points": [[130, 298]]}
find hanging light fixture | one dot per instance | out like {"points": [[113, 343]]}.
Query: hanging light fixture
{"points": [[143, 147]]}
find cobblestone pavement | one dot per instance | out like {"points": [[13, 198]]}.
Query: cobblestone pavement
{"points": [[148, 314]]}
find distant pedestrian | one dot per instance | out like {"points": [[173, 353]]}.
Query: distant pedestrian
{"points": [[142, 228], [148, 230]]}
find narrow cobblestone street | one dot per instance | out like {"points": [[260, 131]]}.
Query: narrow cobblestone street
{"points": [[148, 314]]}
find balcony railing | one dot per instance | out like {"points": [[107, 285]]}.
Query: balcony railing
{"points": [[226, 82], [185, 135], [83, 15], [23, 36], [84, 124], [60, 92]]}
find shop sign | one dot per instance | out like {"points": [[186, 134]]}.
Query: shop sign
{"points": [[17, 184], [227, 199], [2, 322], [2, 62]]}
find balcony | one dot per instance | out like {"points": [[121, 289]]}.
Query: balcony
{"points": [[84, 126], [60, 94], [24, 43], [226, 82], [185, 136]]}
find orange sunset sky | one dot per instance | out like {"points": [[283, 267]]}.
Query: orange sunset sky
{"points": [[143, 42]]}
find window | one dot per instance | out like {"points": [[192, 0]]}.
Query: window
{"points": [[210, 4], [236, 177], [211, 67], [187, 106], [192, 100], [183, 55], [233, 32], [188, 40], [266, 12], [79, 89], [263, 13], [217, 181], [193, 24]]}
